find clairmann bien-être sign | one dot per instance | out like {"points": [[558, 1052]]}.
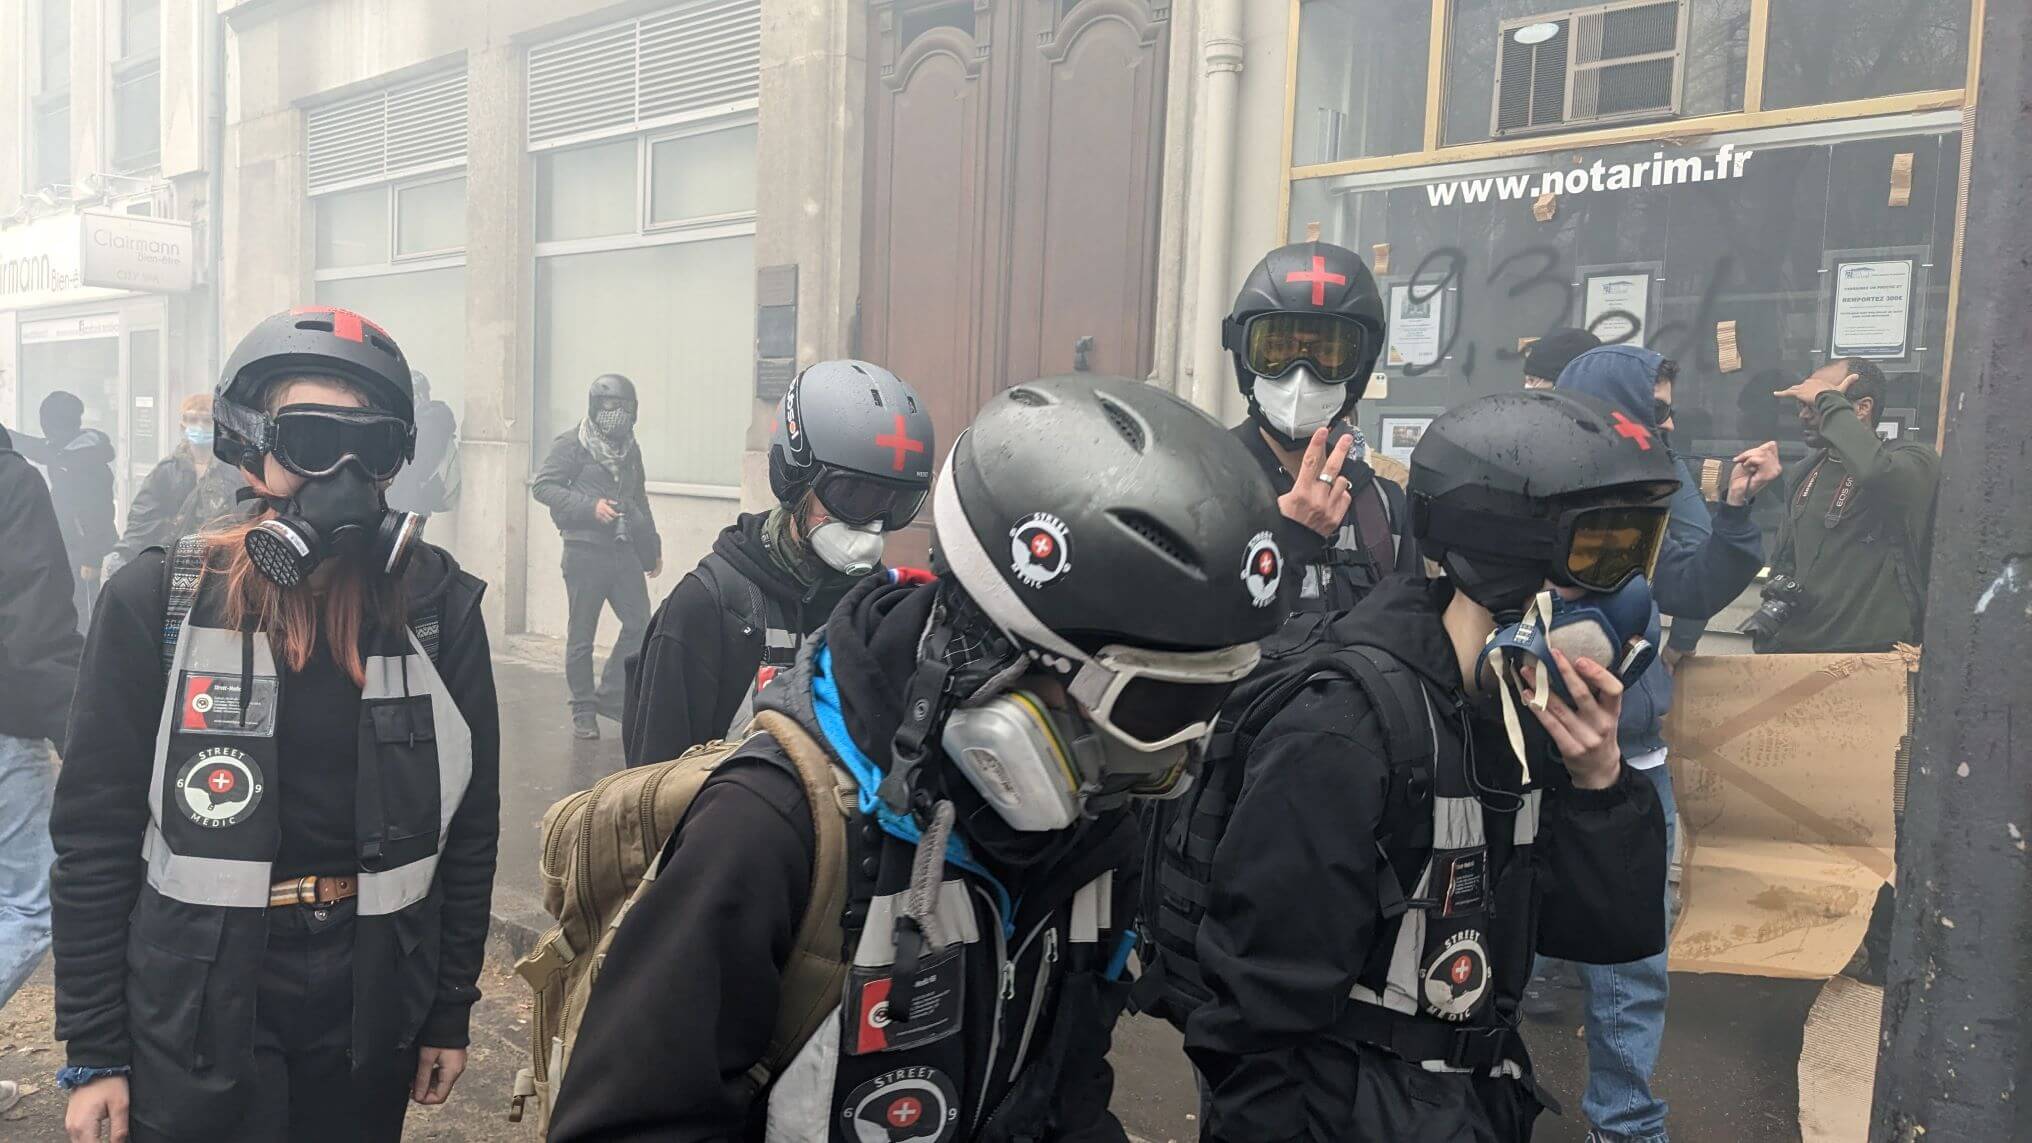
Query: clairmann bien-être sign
{"points": [[89, 255]]}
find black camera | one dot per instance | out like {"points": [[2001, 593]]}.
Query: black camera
{"points": [[621, 533], [1782, 597]]}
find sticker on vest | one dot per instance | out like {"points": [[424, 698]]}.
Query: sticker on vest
{"points": [[1262, 569], [908, 1105], [213, 704], [935, 1006], [1463, 878], [764, 675], [219, 788], [1458, 978]]}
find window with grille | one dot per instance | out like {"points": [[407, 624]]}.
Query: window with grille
{"points": [[1590, 65], [408, 129], [691, 62]]}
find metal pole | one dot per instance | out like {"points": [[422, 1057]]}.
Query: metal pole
{"points": [[1955, 1061]]}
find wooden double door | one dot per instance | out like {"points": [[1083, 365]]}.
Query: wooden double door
{"points": [[1013, 173]]}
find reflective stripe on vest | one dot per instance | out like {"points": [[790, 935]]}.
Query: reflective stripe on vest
{"points": [[390, 676], [779, 653], [213, 881], [229, 883]]}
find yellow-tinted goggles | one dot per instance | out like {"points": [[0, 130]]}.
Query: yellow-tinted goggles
{"points": [[1332, 345], [1606, 546]]}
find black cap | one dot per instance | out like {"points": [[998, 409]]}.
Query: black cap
{"points": [[1547, 356]]}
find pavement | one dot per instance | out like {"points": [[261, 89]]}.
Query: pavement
{"points": [[1729, 1067]]}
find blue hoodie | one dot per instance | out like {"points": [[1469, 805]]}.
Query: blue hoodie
{"points": [[1708, 558]]}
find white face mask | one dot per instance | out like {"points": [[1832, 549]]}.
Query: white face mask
{"points": [[846, 548], [1299, 404]]}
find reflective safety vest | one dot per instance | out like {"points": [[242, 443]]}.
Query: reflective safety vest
{"points": [[758, 611], [214, 826]]}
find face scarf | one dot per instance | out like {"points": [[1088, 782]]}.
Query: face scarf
{"points": [[612, 453], [788, 552]]}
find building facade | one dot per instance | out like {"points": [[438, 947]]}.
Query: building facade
{"points": [[706, 195], [104, 199]]}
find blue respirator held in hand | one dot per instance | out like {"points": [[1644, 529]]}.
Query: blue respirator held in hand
{"points": [[1619, 630]]}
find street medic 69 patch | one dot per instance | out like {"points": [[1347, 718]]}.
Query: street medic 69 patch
{"points": [[935, 1012], [213, 704], [908, 1105], [219, 787]]}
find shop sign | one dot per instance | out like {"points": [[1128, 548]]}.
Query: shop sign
{"points": [[88, 256], [70, 329]]}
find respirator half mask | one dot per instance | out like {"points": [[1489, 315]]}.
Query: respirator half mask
{"points": [[1143, 715], [344, 453]]}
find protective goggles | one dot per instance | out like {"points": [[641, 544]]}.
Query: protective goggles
{"points": [[854, 499], [314, 440], [1157, 699], [1333, 346], [1606, 548]]}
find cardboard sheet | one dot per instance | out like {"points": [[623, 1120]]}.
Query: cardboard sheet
{"points": [[1838, 1062], [1783, 771]]}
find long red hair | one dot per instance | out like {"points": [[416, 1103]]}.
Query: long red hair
{"points": [[342, 607]]}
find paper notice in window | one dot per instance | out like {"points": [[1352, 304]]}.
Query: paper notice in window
{"points": [[1872, 308]]}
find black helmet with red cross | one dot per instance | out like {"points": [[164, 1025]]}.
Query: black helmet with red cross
{"points": [[856, 436], [309, 341], [1312, 305]]}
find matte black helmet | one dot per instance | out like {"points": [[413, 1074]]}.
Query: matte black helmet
{"points": [[1089, 511], [1513, 489], [1311, 280], [317, 341], [858, 435], [609, 386]]}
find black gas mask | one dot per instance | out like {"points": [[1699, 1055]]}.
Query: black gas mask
{"points": [[345, 454]]}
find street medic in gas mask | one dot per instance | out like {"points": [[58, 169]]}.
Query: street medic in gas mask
{"points": [[850, 463], [1108, 566], [1305, 333], [1362, 902], [291, 717]]}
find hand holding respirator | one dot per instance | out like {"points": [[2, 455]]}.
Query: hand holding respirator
{"points": [[1617, 629]]}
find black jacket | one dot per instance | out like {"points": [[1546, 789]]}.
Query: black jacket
{"points": [[690, 985], [1275, 1043], [1343, 583], [101, 812], [81, 489], [174, 502], [571, 484], [39, 641], [700, 655]]}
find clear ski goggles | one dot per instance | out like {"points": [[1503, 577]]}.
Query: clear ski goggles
{"points": [[1275, 343], [858, 500], [1152, 700]]}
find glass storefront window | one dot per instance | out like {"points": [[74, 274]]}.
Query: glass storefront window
{"points": [[587, 192], [678, 319], [1760, 237], [705, 175], [352, 228], [430, 218], [1712, 64], [1826, 51], [424, 311], [1361, 79]]}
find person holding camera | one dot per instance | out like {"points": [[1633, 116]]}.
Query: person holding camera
{"points": [[1849, 571], [594, 486]]}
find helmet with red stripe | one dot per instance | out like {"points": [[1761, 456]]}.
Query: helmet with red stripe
{"points": [[310, 341]]}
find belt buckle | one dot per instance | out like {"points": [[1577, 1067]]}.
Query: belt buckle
{"points": [[1458, 1052]]}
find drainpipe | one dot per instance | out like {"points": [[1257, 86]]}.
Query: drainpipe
{"points": [[215, 183], [1221, 59]]}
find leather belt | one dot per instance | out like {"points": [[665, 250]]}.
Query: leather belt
{"points": [[312, 891]]}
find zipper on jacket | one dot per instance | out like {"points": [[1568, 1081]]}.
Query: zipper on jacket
{"points": [[1006, 970], [1038, 988]]}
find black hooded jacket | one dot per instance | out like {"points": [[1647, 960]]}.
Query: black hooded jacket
{"points": [[39, 641], [1342, 583], [81, 489], [702, 650], [690, 985], [175, 501], [1275, 1043]]}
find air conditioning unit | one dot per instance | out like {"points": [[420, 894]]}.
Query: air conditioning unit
{"points": [[1602, 64]]}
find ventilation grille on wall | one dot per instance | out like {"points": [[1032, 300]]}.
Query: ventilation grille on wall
{"points": [[698, 59], [385, 134], [1590, 65]]}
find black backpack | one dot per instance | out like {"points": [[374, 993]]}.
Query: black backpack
{"points": [[1182, 835]]}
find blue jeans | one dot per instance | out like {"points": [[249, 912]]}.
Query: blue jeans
{"points": [[1626, 1024], [27, 783]]}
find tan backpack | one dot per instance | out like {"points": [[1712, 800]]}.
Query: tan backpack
{"points": [[600, 851]]}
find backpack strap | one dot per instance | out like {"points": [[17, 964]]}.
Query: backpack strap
{"points": [[181, 571], [816, 971], [1372, 524]]}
